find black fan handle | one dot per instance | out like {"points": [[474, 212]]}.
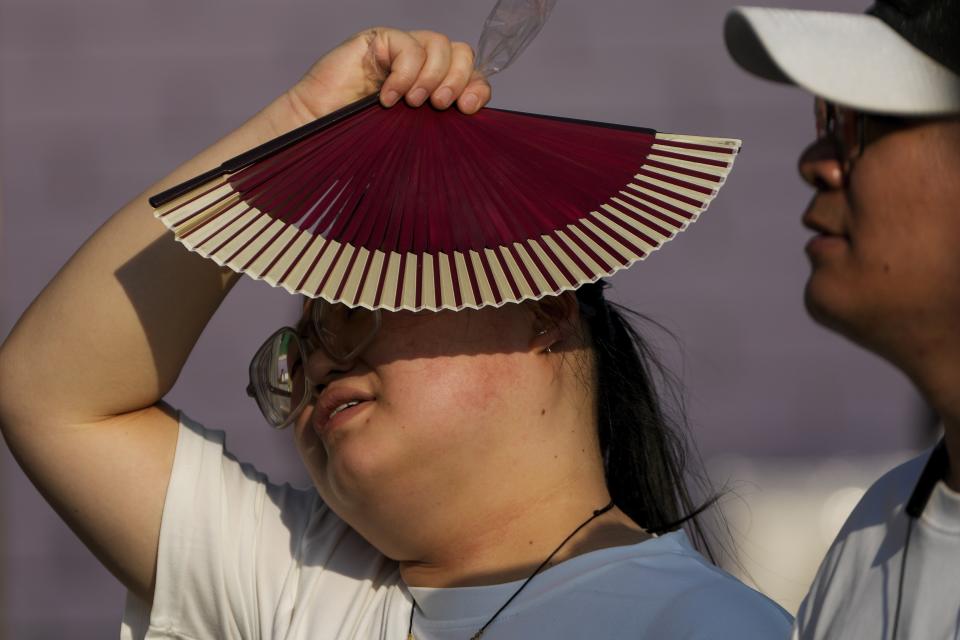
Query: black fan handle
{"points": [[265, 150]]}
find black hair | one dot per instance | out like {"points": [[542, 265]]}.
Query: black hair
{"points": [[643, 444]]}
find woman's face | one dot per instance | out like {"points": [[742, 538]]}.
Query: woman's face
{"points": [[440, 396]]}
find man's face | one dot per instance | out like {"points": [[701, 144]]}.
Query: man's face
{"points": [[886, 257]]}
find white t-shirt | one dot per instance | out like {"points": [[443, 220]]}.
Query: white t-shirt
{"points": [[854, 594], [242, 558]]}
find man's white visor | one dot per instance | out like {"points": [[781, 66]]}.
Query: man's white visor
{"points": [[855, 60]]}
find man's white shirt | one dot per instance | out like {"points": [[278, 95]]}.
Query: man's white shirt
{"points": [[857, 588]]}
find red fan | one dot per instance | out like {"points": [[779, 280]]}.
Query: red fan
{"points": [[415, 208]]}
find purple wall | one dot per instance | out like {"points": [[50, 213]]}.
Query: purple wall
{"points": [[98, 99]]}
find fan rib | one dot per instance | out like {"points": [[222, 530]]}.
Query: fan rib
{"points": [[316, 277], [677, 182], [484, 282], [626, 251], [709, 188], [192, 202], [372, 279], [670, 192], [562, 253], [534, 276], [462, 280], [545, 280], [513, 273], [349, 271], [259, 264], [233, 230], [635, 218], [295, 235], [362, 280], [718, 172], [198, 219], [525, 277], [504, 269], [693, 147], [617, 223], [613, 258], [337, 272], [298, 266], [686, 157], [273, 271], [686, 171], [398, 288], [250, 239], [429, 281], [265, 242], [203, 233], [496, 275], [607, 263], [557, 274], [681, 209], [418, 279], [583, 251], [455, 280], [315, 253], [678, 220], [547, 254], [446, 295]]}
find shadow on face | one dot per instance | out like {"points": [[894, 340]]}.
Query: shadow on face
{"points": [[883, 271]]}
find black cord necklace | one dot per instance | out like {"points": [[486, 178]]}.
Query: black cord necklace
{"points": [[933, 472], [478, 634]]}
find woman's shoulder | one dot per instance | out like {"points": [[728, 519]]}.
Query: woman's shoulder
{"points": [[699, 599]]}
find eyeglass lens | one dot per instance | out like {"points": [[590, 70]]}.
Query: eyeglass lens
{"points": [[842, 125], [277, 377], [344, 331]]}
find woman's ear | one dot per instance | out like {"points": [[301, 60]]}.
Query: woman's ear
{"points": [[554, 318]]}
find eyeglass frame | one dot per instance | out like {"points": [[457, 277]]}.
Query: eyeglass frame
{"points": [[827, 112], [311, 346]]}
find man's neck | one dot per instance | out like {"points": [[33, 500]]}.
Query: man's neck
{"points": [[952, 436], [935, 371]]}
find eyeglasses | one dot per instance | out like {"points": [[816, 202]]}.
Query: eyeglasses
{"points": [[278, 380], [851, 130], [842, 125]]}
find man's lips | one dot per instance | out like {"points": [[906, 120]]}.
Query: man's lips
{"points": [[824, 226]]}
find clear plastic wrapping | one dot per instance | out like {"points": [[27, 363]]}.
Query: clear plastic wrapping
{"points": [[510, 27]]}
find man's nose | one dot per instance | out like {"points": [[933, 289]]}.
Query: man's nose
{"points": [[819, 166]]}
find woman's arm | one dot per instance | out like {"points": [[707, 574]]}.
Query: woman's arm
{"points": [[83, 371]]}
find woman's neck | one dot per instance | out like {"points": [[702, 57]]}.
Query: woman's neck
{"points": [[513, 548]]}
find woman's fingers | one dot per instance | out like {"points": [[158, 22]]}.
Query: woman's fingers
{"points": [[425, 64], [458, 75], [476, 94], [435, 67], [404, 57]]}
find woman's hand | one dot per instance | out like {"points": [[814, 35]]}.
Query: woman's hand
{"points": [[414, 65]]}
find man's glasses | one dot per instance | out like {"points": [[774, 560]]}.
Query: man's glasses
{"points": [[851, 131], [844, 127], [278, 380]]}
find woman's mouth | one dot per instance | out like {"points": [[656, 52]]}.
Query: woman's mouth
{"points": [[341, 414]]}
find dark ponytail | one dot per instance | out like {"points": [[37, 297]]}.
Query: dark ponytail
{"points": [[644, 449]]}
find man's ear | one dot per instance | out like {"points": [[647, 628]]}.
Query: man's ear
{"points": [[554, 318]]}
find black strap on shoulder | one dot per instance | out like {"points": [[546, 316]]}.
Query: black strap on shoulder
{"points": [[933, 472]]}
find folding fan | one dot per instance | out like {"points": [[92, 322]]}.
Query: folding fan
{"points": [[415, 208]]}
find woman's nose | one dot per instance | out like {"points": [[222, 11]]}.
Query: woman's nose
{"points": [[322, 367], [819, 166]]}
